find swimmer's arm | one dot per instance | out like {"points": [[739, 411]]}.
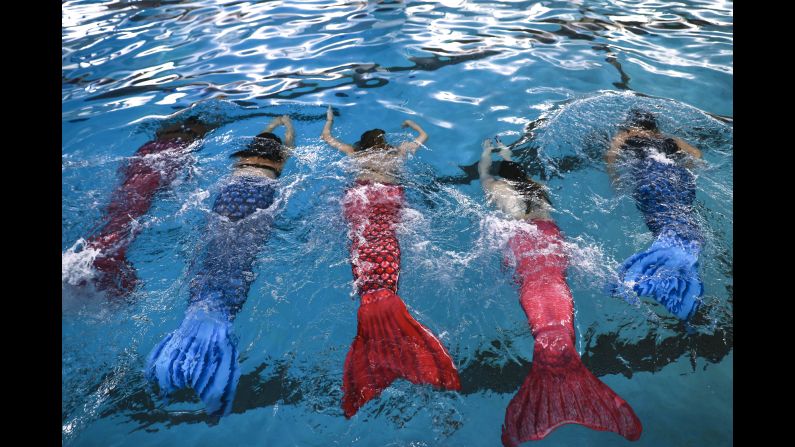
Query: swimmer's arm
{"points": [[289, 132], [276, 122], [612, 154], [505, 153], [328, 138], [417, 142], [486, 180], [687, 147]]}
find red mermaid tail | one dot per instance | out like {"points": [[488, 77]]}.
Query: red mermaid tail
{"points": [[154, 166], [559, 389], [389, 343]]}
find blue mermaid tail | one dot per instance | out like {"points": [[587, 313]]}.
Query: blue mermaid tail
{"points": [[664, 192], [201, 354], [667, 272]]}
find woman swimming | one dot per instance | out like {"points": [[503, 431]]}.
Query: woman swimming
{"points": [[154, 167], [202, 354], [389, 342], [664, 190], [559, 389]]}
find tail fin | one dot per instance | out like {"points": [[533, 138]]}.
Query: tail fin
{"points": [[668, 272], [200, 355], [391, 344], [560, 390]]}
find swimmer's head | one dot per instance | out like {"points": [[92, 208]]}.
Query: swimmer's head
{"points": [[265, 145], [642, 119], [372, 139], [191, 128]]}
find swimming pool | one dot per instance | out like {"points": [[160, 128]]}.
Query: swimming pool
{"points": [[556, 78]]}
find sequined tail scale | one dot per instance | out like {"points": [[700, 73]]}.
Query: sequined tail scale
{"points": [[202, 353], [559, 389], [389, 342], [668, 270]]}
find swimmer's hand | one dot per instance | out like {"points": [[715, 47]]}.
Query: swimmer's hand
{"points": [[487, 146], [504, 152], [329, 114], [409, 123]]}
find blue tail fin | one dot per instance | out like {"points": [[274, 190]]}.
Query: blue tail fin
{"points": [[202, 355], [667, 272]]}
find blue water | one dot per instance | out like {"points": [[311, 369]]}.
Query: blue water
{"points": [[554, 77]]}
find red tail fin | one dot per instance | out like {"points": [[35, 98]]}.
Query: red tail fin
{"points": [[560, 390], [391, 344]]}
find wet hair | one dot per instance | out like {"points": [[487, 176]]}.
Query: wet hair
{"points": [[191, 125], [641, 119], [266, 145], [531, 191], [373, 138]]}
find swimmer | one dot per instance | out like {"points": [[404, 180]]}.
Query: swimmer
{"points": [[389, 342], [559, 389], [664, 189], [153, 168], [202, 353]]}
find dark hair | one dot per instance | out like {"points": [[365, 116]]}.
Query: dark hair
{"points": [[531, 191], [191, 125], [266, 145], [373, 138], [267, 136], [642, 119]]}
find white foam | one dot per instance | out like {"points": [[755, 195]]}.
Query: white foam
{"points": [[660, 157], [195, 200], [77, 263]]}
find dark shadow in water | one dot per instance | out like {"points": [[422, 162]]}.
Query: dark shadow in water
{"points": [[525, 152], [604, 354]]}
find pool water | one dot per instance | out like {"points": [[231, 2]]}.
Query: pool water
{"points": [[553, 79]]}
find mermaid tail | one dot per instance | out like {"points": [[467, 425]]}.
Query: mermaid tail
{"points": [[201, 355], [559, 389], [667, 272], [117, 277], [154, 166], [389, 343]]}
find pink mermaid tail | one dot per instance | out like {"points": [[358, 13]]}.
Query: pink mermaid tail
{"points": [[559, 389]]}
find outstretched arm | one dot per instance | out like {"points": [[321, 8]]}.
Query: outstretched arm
{"points": [[289, 132], [328, 138], [683, 145], [417, 142], [612, 154], [505, 153], [486, 180]]}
